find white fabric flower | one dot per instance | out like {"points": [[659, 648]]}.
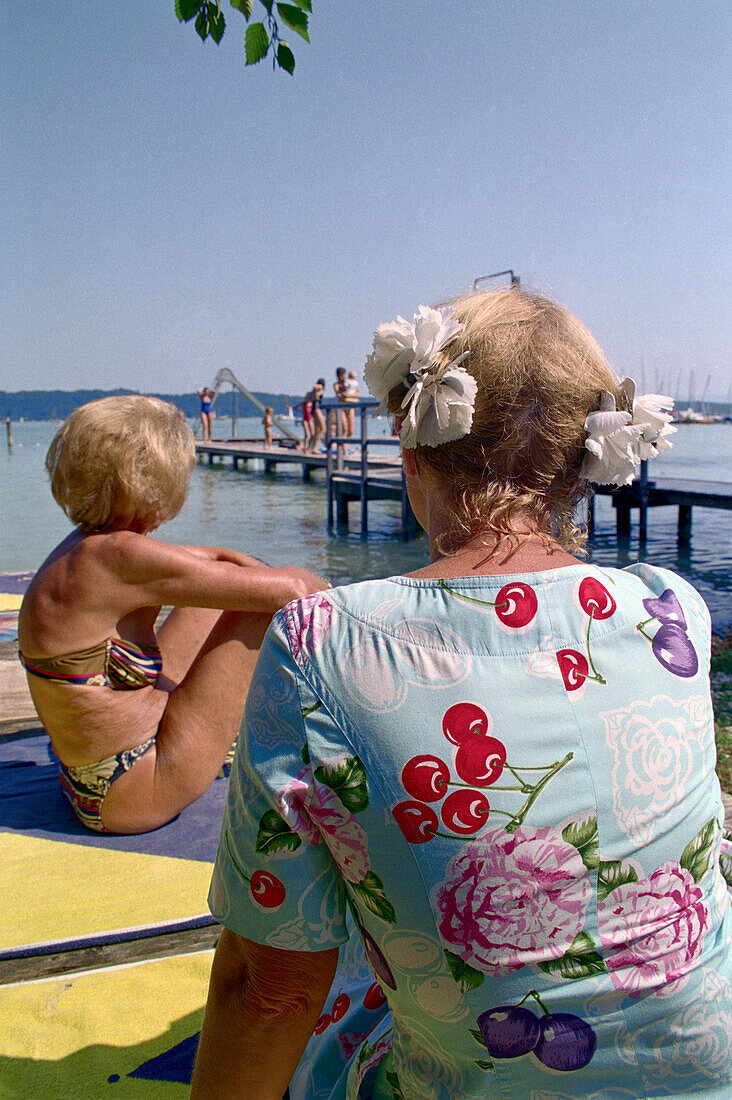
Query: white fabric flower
{"points": [[652, 411], [611, 445], [617, 441], [439, 409], [439, 403]]}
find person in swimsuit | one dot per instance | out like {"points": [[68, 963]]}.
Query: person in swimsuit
{"points": [[141, 721], [206, 397], [267, 425], [318, 414], [306, 411]]}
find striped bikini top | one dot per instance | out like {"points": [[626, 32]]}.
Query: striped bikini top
{"points": [[114, 663]]}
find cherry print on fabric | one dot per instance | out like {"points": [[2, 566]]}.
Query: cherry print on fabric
{"points": [[597, 603], [265, 888], [515, 604], [671, 645], [479, 760]]}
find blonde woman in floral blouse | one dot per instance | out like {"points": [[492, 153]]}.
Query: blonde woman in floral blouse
{"points": [[502, 765]]}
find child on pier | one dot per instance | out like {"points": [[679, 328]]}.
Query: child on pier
{"points": [[267, 423]]}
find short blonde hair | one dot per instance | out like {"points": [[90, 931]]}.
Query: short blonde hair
{"points": [[122, 463], [539, 373]]}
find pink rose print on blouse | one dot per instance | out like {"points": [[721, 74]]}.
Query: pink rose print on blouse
{"points": [[513, 899], [653, 931], [316, 813], [308, 621]]}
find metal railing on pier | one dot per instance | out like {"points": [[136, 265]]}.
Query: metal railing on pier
{"points": [[374, 480]]}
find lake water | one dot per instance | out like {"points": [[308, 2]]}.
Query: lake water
{"points": [[280, 518]]}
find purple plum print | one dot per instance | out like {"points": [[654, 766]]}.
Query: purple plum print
{"points": [[509, 1031], [560, 1040], [566, 1042], [376, 958], [666, 608], [671, 645]]}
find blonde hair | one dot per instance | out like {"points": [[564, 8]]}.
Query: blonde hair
{"points": [[539, 373], [122, 463]]}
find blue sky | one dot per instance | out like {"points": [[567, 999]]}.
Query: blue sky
{"points": [[165, 211]]}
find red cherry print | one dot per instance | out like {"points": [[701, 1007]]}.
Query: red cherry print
{"points": [[480, 760], [516, 604], [323, 1022], [464, 720], [426, 777], [465, 811], [266, 890], [341, 1005], [417, 821], [595, 600], [374, 997], [573, 667]]}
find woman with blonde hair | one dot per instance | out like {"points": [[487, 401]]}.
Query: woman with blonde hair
{"points": [[502, 764], [141, 721]]}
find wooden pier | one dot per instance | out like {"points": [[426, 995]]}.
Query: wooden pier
{"points": [[663, 491], [356, 473]]}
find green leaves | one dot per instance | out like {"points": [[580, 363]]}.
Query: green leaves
{"points": [[612, 873], [697, 853], [725, 864], [275, 835], [581, 833], [348, 781], [295, 18], [580, 961], [186, 9], [370, 892], [285, 58], [466, 976], [262, 37], [256, 43]]}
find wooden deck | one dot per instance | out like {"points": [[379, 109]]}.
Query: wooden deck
{"points": [[241, 451], [659, 492]]}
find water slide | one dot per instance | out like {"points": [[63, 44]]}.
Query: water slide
{"points": [[225, 375]]}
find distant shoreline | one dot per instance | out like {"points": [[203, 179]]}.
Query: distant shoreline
{"points": [[58, 404]]}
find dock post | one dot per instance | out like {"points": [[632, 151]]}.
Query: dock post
{"points": [[328, 475], [684, 534], [621, 502], [591, 511], [364, 474], [643, 504], [10, 433]]}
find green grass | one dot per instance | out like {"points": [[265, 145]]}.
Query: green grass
{"points": [[721, 673]]}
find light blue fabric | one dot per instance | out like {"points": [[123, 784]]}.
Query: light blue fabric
{"points": [[511, 782]]}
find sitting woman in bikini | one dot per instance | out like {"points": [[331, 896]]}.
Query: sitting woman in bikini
{"points": [[141, 722]]}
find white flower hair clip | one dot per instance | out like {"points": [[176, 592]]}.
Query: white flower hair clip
{"points": [[440, 401], [617, 441]]}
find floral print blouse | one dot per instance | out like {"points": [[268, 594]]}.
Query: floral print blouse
{"points": [[506, 786]]}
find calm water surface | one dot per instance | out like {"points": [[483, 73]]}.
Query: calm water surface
{"points": [[280, 518]]}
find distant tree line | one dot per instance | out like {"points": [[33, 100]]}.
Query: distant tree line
{"points": [[57, 404]]}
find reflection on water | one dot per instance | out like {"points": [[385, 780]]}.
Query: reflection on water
{"points": [[280, 518]]}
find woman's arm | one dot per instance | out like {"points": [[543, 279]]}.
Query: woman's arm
{"points": [[263, 1004], [157, 573]]}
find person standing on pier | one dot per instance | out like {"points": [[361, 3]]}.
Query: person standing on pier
{"points": [[318, 415], [206, 397], [267, 424]]}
